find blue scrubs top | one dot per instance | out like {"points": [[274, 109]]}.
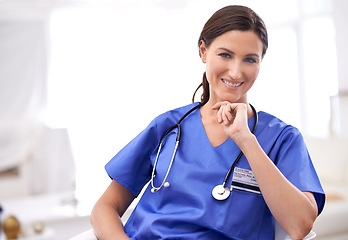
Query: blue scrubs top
{"points": [[186, 209]]}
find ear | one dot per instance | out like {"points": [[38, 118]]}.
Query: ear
{"points": [[202, 51]]}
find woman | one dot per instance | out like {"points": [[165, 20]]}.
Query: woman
{"points": [[273, 179]]}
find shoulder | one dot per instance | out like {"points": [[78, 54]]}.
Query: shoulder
{"points": [[167, 119], [175, 114], [268, 122], [271, 129]]}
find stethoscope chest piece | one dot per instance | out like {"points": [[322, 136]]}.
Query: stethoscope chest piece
{"points": [[221, 192]]}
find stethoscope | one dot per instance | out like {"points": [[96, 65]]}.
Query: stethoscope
{"points": [[220, 192]]}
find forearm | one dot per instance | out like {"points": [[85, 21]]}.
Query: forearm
{"points": [[294, 211], [107, 223]]}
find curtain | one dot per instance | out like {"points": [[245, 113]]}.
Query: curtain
{"points": [[23, 60], [43, 155], [22, 86]]}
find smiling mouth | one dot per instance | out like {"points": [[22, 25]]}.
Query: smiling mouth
{"points": [[232, 84]]}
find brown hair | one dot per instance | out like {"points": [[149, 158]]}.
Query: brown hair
{"points": [[229, 18]]}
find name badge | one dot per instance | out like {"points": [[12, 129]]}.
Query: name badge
{"points": [[244, 179]]}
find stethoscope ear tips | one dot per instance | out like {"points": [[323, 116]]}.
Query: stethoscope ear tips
{"points": [[153, 190]]}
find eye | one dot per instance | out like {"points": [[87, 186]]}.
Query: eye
{"points": [[225, 55], [250, 60]]}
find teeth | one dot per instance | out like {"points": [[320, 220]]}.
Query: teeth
{"points": [[232, 84]]}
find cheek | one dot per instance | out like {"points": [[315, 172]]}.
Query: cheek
{"points": [[215, 67], [252, 73]]}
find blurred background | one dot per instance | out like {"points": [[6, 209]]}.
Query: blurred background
{"points": [[80, 78]]}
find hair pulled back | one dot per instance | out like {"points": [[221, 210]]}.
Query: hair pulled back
{"points": [[229, 18]]}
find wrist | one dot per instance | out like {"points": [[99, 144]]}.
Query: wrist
{"points": [[245, 140]]}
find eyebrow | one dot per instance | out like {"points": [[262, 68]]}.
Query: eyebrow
{"points": [[231, 52]]}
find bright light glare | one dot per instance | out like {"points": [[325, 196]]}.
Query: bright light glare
{"points": [[320, 75]]}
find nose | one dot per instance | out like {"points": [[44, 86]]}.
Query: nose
{"points": [[235, 70]]}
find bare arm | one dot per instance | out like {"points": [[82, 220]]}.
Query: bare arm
{"points": [[105, 216], [294, 210]]}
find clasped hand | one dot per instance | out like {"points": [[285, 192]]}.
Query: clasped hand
{"points": [[234, 119]]}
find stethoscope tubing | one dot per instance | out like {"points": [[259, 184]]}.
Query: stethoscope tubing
{"points": [[178, 136], [155, 189]]}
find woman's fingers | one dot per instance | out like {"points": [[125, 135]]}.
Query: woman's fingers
{"points": [[233, 117], [225, 112]]}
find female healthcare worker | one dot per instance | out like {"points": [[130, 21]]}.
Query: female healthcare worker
{"points": [[274, 176]]}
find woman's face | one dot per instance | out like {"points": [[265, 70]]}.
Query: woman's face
{"points": [[232, 65]]}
